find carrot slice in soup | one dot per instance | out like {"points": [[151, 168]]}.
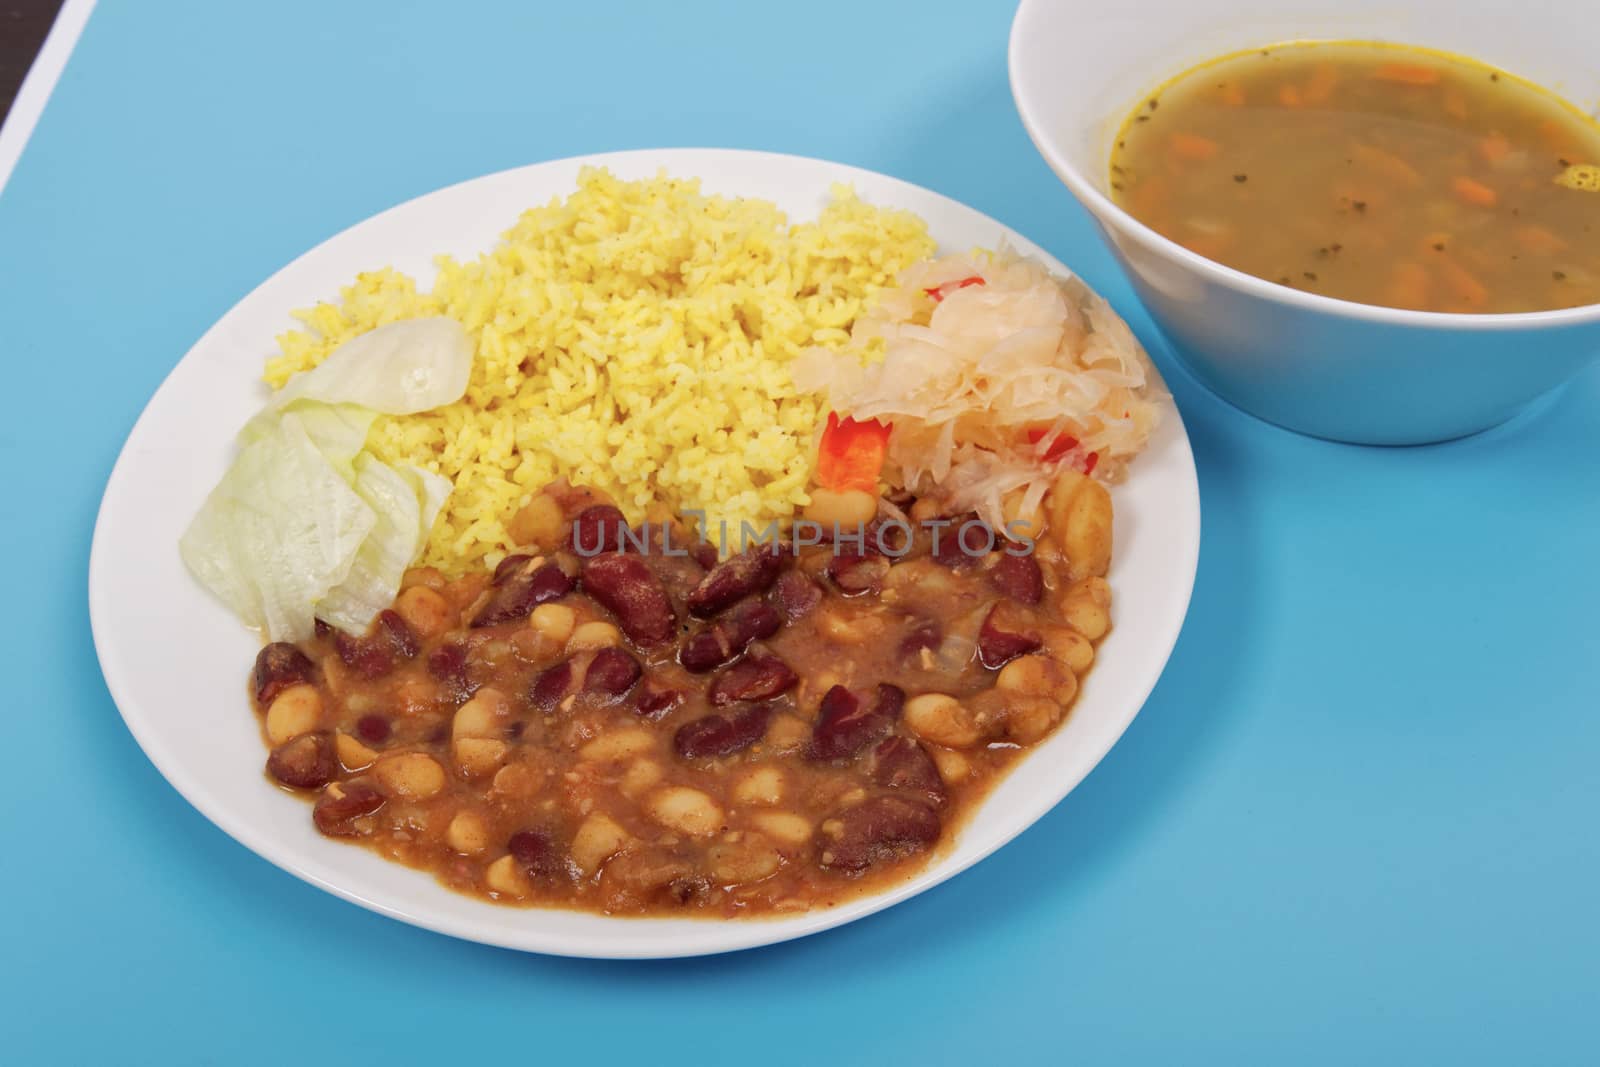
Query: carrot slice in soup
{"points": [[1193, 147], [1387, 165], [1539, 240], [1558, 138], [1319, 87], [1409, 285], [1471, 191], [1494, 148]]}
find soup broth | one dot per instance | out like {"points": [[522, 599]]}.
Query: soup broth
{"points": [[1373, 173]]}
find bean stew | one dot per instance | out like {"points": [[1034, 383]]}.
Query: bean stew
{"points": [[606, 722]]}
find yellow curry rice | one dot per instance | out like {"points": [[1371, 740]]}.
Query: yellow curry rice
{"points": [[635, 337]]}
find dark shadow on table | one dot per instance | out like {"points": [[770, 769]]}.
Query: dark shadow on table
{"points": [[24, 24]]}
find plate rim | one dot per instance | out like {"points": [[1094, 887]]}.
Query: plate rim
{"points": [[721, 936]]}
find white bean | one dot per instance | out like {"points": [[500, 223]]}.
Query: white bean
{"points": [[467, 834], [686, 810], [479, 757], [594, 635], [616, 745], [295, 711], [505, 877], [598, 839], [411, 775], [942, 719], [784, 826], [759, 785]]}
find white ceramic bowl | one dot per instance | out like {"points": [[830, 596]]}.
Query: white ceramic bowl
{"points": [[176, 662], [1327, 367]]}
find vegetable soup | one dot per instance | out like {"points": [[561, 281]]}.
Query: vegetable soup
{"points": [[1373, 173]]}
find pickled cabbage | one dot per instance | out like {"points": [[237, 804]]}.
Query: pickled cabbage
{"points": [[995, 375]]}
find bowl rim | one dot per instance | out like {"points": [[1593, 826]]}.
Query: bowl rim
{"points": [[1108, 212]]}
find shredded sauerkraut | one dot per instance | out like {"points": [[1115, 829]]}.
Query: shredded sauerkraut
{"points": [[995, 374]]}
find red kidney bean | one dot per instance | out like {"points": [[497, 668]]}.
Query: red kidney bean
{"points": [[704, 650], [678, 575], [397, 633], [722, 735], [552, 686], [726, 638], [367, 659], [509, 566], [373, 729], [949, 551], [611, 673], [537, 853], [879, 829], [320, 628], [752, 571], [845, 726], [856, 573], [333, 815], [653, 701], [755, 677], [901, 763], [795, 594], [599, 528], [520, 590], [307, 762], [448, 663], [632, 592], [376, 653], [924, 636], [886, 537], [998, 644], [753, 620], [278, 666], [1018, 577], [838, 706], [704, 553]]}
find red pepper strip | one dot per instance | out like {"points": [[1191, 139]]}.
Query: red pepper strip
{"points": [[851, 453], [939, 292], [1063, 444]]}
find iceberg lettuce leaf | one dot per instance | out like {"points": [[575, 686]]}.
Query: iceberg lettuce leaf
{"points": [[397, 369], [280, 530], [406, 502], [374, 576], [307, 523]]}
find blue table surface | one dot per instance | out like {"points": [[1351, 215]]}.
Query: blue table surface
{"points": [[1354, 823]]}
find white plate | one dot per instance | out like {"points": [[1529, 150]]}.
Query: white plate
{"points": [[177, 663]]}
